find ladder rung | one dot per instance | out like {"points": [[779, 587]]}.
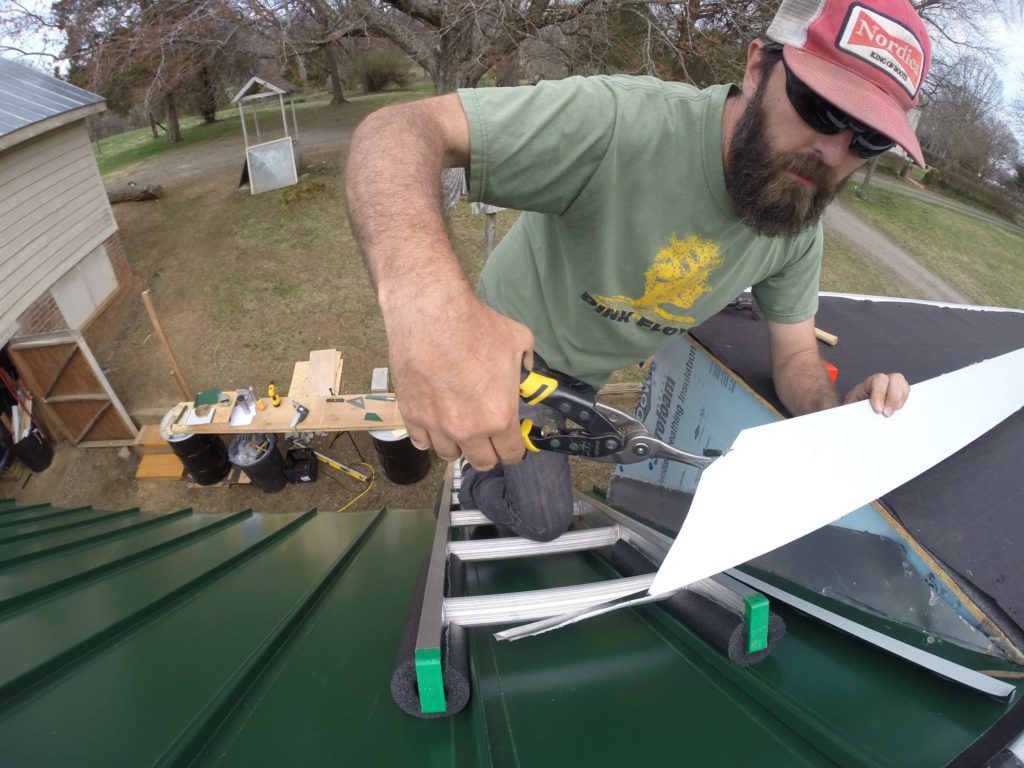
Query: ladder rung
{"points": [[505, 548], [465, 517], [469, 517], [483, 610]]}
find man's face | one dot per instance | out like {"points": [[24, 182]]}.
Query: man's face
{"points": [[780, 187]]}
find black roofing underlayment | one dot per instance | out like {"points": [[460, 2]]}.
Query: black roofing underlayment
{"points": [[968, 510]]}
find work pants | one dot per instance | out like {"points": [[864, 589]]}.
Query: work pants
{"points": [[533, 498]]}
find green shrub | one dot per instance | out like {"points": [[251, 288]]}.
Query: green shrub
{"points": [[376, 70], [972, 191]]}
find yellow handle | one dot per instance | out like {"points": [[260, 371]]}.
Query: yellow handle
{"points": [[536, 386], [525, 428], [275, 399]]}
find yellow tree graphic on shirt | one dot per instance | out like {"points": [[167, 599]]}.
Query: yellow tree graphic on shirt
{"points": [[674, 281]]}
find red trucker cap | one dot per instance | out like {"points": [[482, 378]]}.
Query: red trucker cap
{"points": [[867, 57]]}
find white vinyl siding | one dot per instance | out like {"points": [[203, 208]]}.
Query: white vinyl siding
{"points": [[53, 212]]}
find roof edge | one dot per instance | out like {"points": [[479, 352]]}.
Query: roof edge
{"points": [[49, 123]]}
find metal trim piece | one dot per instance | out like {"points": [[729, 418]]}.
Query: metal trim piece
{"points": [[483, 610], [935, 664]]}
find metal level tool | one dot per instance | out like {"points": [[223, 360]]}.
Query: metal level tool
{"points": [[596, 526]]}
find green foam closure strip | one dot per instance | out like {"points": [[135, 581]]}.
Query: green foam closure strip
{"points": [[430, 680], [755, 614]]}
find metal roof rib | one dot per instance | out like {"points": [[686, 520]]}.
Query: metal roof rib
{"points": [[28, 96]]}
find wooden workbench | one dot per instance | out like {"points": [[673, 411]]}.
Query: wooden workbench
{"points": [[357, 412]]}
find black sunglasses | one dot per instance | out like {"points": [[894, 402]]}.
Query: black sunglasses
{"points": [[825, 118]]}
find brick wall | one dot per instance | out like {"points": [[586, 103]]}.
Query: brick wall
{"points": [[42, 316], [118, 258]]}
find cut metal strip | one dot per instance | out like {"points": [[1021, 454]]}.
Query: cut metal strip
{"points": [[483, 610], [957, 673]]}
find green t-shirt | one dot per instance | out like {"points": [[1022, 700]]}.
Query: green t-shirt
{"points": [[628, 236]]}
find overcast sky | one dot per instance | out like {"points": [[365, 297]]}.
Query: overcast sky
{"points": [[1010, 37]]}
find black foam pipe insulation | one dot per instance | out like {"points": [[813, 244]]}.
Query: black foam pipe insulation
{"points": [[718, 626], [454, 652]]}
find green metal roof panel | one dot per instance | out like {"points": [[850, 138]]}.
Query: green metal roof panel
{"points": [[25, 551], [83, 517], [270, 640]]}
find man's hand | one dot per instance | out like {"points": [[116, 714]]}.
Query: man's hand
{"points": [[801, 382], [456, 365], [888, 392]]}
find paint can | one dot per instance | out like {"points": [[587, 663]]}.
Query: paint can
{"points": [[257, 455], [204, 456], [402, 462]]}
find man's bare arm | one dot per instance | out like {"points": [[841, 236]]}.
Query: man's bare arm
{"points": [[455, 362], [803, 386]]}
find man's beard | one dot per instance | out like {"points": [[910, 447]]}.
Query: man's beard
{"points": [[766, 198]]}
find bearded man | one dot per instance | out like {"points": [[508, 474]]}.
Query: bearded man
{"points": [[648, 206]]}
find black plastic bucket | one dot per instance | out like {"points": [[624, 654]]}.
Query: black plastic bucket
{"points": [[204, 456], [403, 463], [258, 457], [33, 451]]}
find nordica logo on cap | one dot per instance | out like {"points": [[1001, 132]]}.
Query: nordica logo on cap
{"points": [[886, 44]]}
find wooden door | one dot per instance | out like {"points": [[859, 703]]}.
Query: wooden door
{"points": [[61, 372]]}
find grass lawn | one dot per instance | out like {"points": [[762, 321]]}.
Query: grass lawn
{"points": [[984, 261], [123, 149], [845, 269], [116, 152]]}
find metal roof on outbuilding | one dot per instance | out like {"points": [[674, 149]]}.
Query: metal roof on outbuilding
{"points": [[29, 98]]}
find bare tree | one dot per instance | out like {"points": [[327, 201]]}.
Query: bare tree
{"points": [[961, 124], [170, 50], [456, 41]]}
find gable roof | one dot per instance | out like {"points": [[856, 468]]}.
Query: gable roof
{"points": [[262, 87], [32, 102]]}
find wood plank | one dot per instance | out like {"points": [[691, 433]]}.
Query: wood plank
{"points": [[235, 477], [299, 387], [160, 467], [72, 350], [222, 415], [300, 380], [358, 412], [148, 415], [150, 441], [322, 365], [84, 434]]}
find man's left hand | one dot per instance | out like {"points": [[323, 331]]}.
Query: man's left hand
{"points": [[886, 391]]}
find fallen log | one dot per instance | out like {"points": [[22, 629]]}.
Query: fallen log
{"points": [[133, 193]]}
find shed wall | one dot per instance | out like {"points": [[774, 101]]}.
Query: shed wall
{"points": [[53, 212]]}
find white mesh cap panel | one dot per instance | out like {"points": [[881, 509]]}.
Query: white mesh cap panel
{"points": [[792, 20]]}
